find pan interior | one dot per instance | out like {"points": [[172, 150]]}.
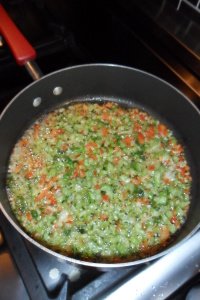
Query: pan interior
{"points": [[162, 101], [77, 162]]}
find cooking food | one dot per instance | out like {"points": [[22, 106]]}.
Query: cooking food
{"points": [[100, 182]]}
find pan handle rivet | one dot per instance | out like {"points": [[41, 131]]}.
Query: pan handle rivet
{"points": [[54, 273], [57, 90], [37, 101]]}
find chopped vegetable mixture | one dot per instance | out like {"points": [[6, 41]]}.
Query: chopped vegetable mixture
{"points": [[99, 182]]}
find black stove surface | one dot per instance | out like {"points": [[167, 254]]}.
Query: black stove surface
{"points": [[68, 33]]}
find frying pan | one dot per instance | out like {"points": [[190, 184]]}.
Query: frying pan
{"points": [[96, 81]]}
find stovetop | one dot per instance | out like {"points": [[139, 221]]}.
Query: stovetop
{"points": [[68, 33]]}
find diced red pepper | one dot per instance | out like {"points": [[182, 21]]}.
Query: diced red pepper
{"points": [[108, 105], [43, 179], [136, 180], [162, 130], [97, 187], [69, 220], [137, 127], [29, 216], [105, 116], [127, 141], [184, 171], [79, 172], [116, 160], [151, 167], [23, 142], [173, 219], [104, 131], [105, 197], [29, 174], [143, 200], [52, 200], [142, 116], [41, 195], [150, 132], [166, 180], [141, 138], [55, 132], [91, 145], [18, 168], [103, 217], [36, 130]]}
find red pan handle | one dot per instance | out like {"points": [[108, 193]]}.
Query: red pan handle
{"points": [[20, 47]]}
